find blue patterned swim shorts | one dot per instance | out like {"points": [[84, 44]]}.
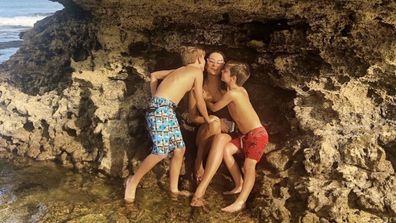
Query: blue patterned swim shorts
{"points": [[163, 126]]}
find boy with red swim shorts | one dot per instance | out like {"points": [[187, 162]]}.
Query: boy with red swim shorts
{"points": [[254, 137]]}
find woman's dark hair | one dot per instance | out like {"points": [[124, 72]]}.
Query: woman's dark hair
{"points": [[219, 52]]}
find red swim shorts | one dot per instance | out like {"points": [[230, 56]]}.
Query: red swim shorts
{"points": [[252, 144]]}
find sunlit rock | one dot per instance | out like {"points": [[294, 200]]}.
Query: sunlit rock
{"points": [[323, 82]]}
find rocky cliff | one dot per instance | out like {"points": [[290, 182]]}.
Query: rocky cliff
{"points": [[323, 82]]}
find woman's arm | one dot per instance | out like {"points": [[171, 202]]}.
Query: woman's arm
{"points": [[155, 76]]}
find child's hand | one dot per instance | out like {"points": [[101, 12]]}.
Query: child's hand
{"points": [[187, 117], [226, 125], [213, 118], [207, 96]]}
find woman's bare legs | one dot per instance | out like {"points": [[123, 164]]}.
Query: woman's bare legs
{"points": [[204, 137], [201, 142], [214, 160]]}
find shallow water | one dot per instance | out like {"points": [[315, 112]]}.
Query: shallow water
{"points": [[45, 192]]}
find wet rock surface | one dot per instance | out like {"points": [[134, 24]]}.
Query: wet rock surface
{"points": [[45, 192], [323, 82]]}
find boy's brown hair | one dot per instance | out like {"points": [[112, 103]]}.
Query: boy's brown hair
{"points": [[240, 70], [190, 53]]}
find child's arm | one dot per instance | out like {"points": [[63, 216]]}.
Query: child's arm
{"points": [[199, 97], [224, 101], [155, 76], [194, 115]]}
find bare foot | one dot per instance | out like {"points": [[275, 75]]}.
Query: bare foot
{"points": [[199, 174], [236, 190], [234, 207], [129, 205], [130, 190], [197, 202], [182, 193]]}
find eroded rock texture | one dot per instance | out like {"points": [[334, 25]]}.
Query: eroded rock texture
{"points": [[323, 83]]}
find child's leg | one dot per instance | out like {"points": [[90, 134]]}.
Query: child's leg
{"points": [[213, 163], [174, 172], [148, 163], [250, 177], [228, 156]]}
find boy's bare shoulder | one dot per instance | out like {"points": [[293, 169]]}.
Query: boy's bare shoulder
{"points": [[237, 93], [185, 69], [180, 69], [194, 70], [244, 91], [232, 93]]}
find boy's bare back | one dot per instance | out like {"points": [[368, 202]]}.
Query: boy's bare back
{"points": [[180, 81], [242, 111]]}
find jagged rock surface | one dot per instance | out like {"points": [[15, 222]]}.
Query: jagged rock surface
{"points": [[323, 83]]}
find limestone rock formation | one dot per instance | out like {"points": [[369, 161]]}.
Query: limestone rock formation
{"points": [[323, 82]]}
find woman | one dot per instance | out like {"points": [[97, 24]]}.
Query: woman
{"points": [[212, 91]]}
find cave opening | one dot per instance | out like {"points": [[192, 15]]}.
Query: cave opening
{"points": [[258, 43], [261, 44]]}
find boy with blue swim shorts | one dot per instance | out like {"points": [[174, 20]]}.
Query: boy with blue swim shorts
{"points": [[163, 126], [161, 118]]}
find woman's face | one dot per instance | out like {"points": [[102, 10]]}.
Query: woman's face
{"points": [[214, 63]]}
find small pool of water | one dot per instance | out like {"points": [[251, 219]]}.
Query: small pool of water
{"points": [[44, 192]]}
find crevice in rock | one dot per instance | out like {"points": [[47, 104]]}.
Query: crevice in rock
{"points": [[71, 132], [296, 204], [69, 115], [390, 151], [375, 96], [133, 82], [388, 111], [138, 48], [6, 138], [86, 121], [348, 27], [28, 126], [352, 200], [45, 127], [262, 30]]}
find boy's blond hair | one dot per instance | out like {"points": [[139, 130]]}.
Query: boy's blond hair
{"points": [[240, 70], [190, 53]]}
